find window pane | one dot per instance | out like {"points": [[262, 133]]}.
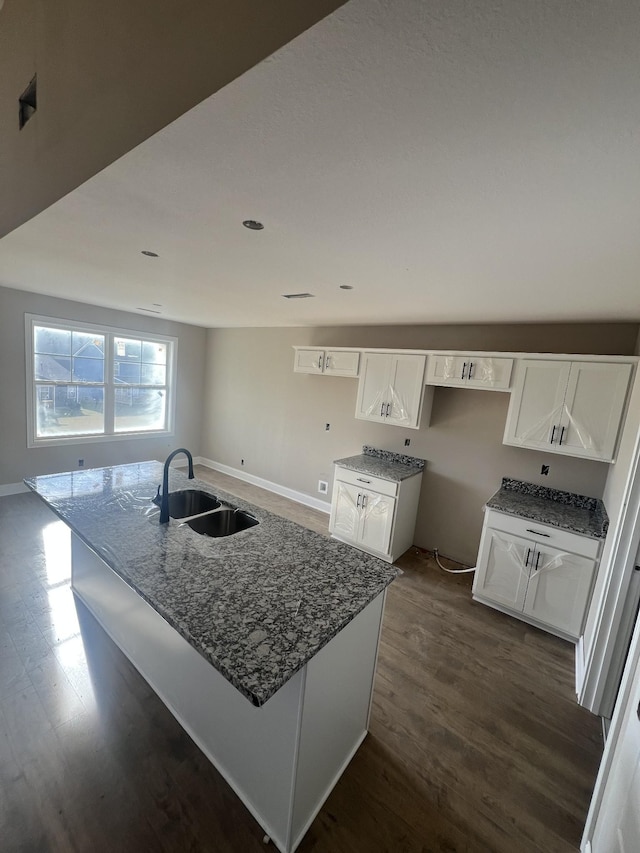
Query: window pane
{"points": [[127, 349], [126, 373], [57, 368], [87, 344], [69, 410], [88, 369], [139, 409], [153, 374], [52, 341], [154, 353]]}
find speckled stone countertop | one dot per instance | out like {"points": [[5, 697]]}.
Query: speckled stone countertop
{"points": [[258, 605], [577, 513], [383, 463]]}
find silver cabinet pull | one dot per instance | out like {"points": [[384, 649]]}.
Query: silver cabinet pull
{"points": [[360, 480], [536, 533], [537, 561], [469, 375], [319, 362], [553, 434], [388, 407], [358, 501], [464, 370], [561, 435], [382, 410], [526, 559], [365, 501]]}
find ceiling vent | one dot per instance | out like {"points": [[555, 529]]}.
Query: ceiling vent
{"points": [[298, 295]]}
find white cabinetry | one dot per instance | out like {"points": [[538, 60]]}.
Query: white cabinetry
{"points": [[374, 514], [331, 362], [469, 371], [536, 572], [391, 388], [568, 407]]}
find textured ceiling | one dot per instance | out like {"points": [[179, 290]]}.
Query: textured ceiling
{"points": [[451, 161]]}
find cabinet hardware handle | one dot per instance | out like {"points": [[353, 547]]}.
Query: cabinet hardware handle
{"points": [[553, 434], [526, 559], [360, 480], [319, 362], [326, 361], [537, 560], [470, 370], [388, 407], [561, 435], [464, 370], [358, 501], [638, 711], [536, 533], [382, 410], [364, 501]]}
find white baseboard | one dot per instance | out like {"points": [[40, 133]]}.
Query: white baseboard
{"points": [[292, 494], [12, 489]]}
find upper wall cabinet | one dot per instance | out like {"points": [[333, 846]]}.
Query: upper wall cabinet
{"points": [[391, 388], [568, 407], [330, 362], [469, 371]]}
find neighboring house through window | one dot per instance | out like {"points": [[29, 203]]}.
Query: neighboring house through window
{"points": [[90, 383]]}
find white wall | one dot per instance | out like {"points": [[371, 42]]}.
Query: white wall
{"points": [[17, 461], [258, 410]]}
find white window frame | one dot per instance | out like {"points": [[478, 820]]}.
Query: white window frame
{"points": [[110, 332]]}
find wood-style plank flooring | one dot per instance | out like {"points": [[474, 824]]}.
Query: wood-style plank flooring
{"points": [[476, 742]]}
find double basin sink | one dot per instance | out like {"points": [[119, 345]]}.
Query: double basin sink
{"points": [[206, 515]]}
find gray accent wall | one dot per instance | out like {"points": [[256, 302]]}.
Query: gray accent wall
{"points": [[17, 460], [258, 410]]}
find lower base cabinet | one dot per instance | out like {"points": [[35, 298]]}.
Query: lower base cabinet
{"points": [[376, 515], [535, 572]]}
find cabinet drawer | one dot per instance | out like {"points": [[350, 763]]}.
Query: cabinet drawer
{"points": [[367, 481], [544, 534]]}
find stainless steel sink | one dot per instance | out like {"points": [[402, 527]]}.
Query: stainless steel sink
{"points": [[191, 502], [225, 522]]}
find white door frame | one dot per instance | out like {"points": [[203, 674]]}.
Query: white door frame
{"points": [[606, 765]]}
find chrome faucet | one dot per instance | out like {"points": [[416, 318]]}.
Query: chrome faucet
{"points": [[164, 499]]}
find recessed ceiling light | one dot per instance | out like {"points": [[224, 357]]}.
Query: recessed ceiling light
{"points": [[149, 254], [298, 295], [346, 287], [253, 225]]}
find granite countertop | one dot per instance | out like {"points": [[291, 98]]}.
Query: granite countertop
{"points": [[576, 513], [258, 605], [383, 463]]}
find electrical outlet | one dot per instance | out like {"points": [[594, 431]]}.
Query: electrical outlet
{"points": [[323, 487], [544, 470], [80, 463], [407, 442]]}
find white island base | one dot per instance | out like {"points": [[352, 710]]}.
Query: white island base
{"points": [[282, 759]]}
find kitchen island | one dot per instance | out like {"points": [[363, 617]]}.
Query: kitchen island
{"points": [[262, 644]]}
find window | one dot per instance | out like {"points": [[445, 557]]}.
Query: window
{"points": [[88, 383]]}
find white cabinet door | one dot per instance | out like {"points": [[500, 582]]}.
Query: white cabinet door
{"points": [[338, 363], [469, 371], [308, 361], [373, 385], [536, 403], [406, 385], [559, 589], [593, 407], [345, 512], [377, 521], [501, 575]]}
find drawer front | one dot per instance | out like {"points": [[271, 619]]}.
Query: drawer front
{"points": [[367, 481], [544, 534], [338, 363]]}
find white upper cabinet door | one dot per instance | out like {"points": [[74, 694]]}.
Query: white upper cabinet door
{"points": [[373, 386], [469, 371], [593, 408], [406, 387], [308, 361], [338, 363], [535, 409], [501, 574], [559, 589]]}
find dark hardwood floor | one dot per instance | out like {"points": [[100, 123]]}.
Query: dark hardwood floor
{"points": [[476, 741]]}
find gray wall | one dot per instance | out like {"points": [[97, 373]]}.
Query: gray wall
{"points": [[17, 461], [258, 410]]}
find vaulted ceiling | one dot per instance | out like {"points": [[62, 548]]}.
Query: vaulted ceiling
{"points": [[447, 161]]}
